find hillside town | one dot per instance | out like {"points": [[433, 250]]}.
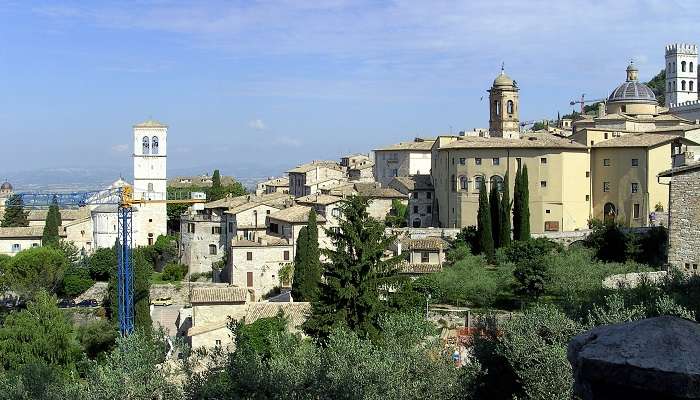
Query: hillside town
{"points": [[486, 235]]}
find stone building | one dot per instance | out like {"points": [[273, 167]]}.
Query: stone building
{"points": [[402, 159], [423, 255], [361, 172], [310, 178], [325, 205], [421, 196], [558, 182], [15, 239], [624, 183], [255, 264], [354, 160], [380, 198], [273, 185], [684, 216]]}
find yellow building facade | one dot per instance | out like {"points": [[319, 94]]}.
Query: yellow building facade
{"points": [[559, 185]]}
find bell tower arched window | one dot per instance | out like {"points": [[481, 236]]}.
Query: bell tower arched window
{"points": [[690, 67], [682, 66], [150, 186], [690, 85], [509, 107], [497, 107], [146, 145], [682, 85], [154, 145]]}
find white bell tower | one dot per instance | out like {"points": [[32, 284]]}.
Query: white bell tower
{"points": [[150, 181], [681, 73]]}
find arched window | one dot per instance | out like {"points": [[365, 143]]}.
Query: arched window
{"points": [[691, 67], [690, 85], [478, 181], [674, 85], [463, 183], [154, 145], [669, 86], [497, 183], [146, 145], [497, 106], [509, 107], [674, 66], [682, 85], [609, 212], [682, 66], [416, 223]]}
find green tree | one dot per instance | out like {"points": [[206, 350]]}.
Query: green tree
{"points": [[531, 277], [217, 191], [657, 84], [356, 274], [32, 270], [609, 241], [174, 272], [50, 236], [469, 236], [14, 216], [496, 213], [142, 284], [41, 334], [505, 233], [398, 215], [97, 337], [307, 264], [521, 206], [76, 280], [101, 263], [484, 226]]}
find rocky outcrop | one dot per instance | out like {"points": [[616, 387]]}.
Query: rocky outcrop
{"points": [[652, 358]]}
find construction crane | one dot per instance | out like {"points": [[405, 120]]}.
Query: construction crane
{"points": [[583, 102], [123, 198], [523, 124]]}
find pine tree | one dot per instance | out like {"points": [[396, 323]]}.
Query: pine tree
{"points": [[217, 191], [524, 207], [505, 234], [517, 204], [356, 275], [484, 227], [50, 236], [495, 205], [14, 213]]}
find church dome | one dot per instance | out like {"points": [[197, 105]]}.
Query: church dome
{"points": [[6, 187], [632, 91], [503, 80], [119, 183]]}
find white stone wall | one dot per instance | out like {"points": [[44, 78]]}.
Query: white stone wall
{"points": [[104, 229], [150, 182], [264, 266], [80, 234], [391, 163], [6, 244]]}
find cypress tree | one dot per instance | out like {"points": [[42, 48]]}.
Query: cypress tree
{"points": [[14, 213], [356, 275], [517, 205], [524, 206], [484, 228], [52, 225], [307, 264], [217, 191], [504, 235], [495, 205]]}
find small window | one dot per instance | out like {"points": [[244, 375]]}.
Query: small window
{"points": [[218, 342], [415, 209], [606, 186], [592, 142], [267, 212], [336, 212], [687, 266], [16, 247], [35, 244], [230, 227], [154, 146], [462, 161], [150, 239], [212, 249], [286, 255], [215, 230], [190, 227], [635, 187], [635, 162], [428, 195], [424, 257], [543, 160], [588, 174], [543, 184], [463, 183], [477, 161], [588, 197], [496, 161], [690, 86], [605, 135], [428, 209], [606, 162], [547, 211], [249, 256], [635, 211]]}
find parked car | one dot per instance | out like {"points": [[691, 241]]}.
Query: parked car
{"points": [[66, 303], [162, 301], [88, 303]]}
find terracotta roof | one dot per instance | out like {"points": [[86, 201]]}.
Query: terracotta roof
{"points": [[680, 170], [639, 140], [677, 128], [427, 243], [283, 181], [66, 215], [25, 232], [540, 140], [418, 144], [415, 182], [296, 313], [318, 198], [295, 214], [372, 191], [407, 268], [219, 295], [232, 202], [252, 204], [304, 168]]}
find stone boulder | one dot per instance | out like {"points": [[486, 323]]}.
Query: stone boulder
{"points": [[654, 358]]}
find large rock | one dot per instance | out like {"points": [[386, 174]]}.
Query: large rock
{"points": [[655, 358]]}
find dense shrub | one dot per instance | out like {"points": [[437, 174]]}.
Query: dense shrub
{"points": [[174, 272], [76, 281], [101, 263], [97, 337]]}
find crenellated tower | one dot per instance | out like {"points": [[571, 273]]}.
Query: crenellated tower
{"points": [[681, 73]]}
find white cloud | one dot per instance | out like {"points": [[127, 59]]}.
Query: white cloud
{"points": [[257, 124], [120, 148]]}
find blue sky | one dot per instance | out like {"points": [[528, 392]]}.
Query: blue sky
{"points": [[263, 85]]}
